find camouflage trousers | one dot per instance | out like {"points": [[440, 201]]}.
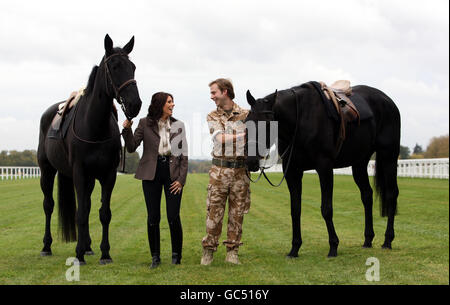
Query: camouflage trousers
{"points": [[234, 185]]}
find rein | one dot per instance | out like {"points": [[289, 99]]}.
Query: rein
{"points": [[81, 139], [290, 148], [119, 99]]}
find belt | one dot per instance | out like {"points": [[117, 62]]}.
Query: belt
{"points": [[163, 158], [229, 164]]}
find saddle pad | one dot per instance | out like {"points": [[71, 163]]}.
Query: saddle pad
{"points": [[361, 105], [61, 132], [331, 110]]}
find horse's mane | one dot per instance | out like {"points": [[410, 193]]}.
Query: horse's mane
{"points": [[91, 81]]}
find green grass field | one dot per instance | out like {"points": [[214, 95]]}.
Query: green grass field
{"points": [[420, 252]]}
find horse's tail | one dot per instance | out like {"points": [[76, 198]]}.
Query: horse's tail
{"points": [[386, 184], [67, 208], [379, 185]]}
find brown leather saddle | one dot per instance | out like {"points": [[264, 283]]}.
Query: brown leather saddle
{"points": [[339, 93]]}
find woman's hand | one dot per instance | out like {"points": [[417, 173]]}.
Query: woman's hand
{"points": [[127, 124], [175, 187]]}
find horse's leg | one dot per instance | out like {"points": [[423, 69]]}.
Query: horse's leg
{"points": [[47, 182], [362, 180], [391, 194], [294, 182], [84, 187], [105, 216], [89, 250], [325, 171]]}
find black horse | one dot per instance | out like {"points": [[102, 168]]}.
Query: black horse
{"points": [[90, 150], [308, 138]]}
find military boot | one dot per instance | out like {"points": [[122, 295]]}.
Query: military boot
{"points": [[232, 257], [207, 257]]}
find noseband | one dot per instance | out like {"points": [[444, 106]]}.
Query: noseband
{"points": [[269, 116], [116, 89]]}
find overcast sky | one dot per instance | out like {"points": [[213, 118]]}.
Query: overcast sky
{"points": [[401, 47]]}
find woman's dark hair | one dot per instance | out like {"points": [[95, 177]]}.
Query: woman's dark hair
{"points": [[155, 110]]}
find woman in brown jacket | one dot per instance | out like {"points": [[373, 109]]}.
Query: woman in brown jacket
{"points": [[164, 163]]}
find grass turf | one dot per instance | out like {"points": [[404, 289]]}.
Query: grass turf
{"points": [[420, 252]]}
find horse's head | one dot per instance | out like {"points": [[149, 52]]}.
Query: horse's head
{"points": [[120, 77], [258, 124]]}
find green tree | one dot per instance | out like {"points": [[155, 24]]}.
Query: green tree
{"points": [[417, 149], [404, 152], [4, 158]]}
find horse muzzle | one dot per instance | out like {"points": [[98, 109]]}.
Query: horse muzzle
{"points": [[252, 163]]}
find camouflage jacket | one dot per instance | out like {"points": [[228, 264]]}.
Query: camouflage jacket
{"points": [[220, 121]]}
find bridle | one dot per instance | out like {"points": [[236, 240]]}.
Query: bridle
{"points": [[289, 149], [118, 98], [116, 89], [270, 117]]}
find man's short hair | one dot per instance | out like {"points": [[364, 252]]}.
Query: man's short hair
{"points": [[224, 84]]}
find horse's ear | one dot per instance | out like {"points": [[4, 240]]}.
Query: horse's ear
{"points": [[129, 46], [108, 45], [250, 99]]}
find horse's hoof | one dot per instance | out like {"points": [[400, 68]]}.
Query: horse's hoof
{"points": [[292, 255], [332, 253], [294, 252], [89, 253], [367, 246], [106, 261], [389, 247], [46, 253]]}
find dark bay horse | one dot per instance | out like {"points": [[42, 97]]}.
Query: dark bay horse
{"points": [[307, 139], [90, 150]]}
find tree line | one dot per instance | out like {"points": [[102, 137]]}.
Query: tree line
{"points": [[18, 158], [437, 148], [29, 158]]}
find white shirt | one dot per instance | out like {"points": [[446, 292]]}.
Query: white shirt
{"points": [[164, 134]]}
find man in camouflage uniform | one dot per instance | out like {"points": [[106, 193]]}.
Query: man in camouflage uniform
{"points": [[227, 176]]}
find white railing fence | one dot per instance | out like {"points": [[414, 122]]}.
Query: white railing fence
{"points": [[414, 168], [19, 172]]}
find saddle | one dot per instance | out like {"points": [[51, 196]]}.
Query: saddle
{"points": [[63, 116], [338, 93]]}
